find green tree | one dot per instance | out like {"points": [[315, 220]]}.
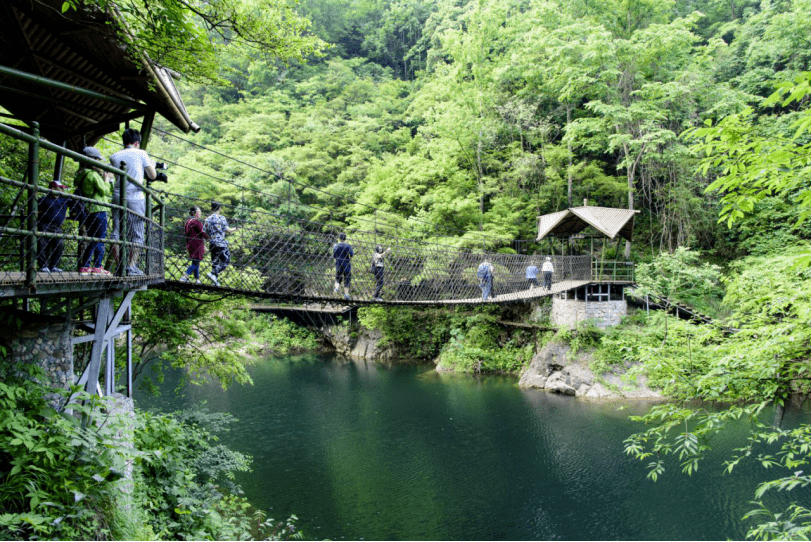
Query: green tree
{"points": [[186, 35]]}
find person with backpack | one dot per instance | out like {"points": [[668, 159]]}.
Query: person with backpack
{"points": [[485, 276], [52, 210], [342, 254], [377, 269], [195, 243], [92, 184]]}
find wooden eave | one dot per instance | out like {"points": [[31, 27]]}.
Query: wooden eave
{"points": [[83, 50]]}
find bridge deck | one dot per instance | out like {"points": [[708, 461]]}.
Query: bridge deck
{"points": [[13, 283], [523, 295]]}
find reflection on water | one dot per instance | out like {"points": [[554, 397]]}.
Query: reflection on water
{"points": [[358, 451]]}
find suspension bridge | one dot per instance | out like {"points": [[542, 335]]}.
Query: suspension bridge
{"points": [[65, 84]]}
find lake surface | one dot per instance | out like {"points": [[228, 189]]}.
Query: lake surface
{"points": [[361, 451]]}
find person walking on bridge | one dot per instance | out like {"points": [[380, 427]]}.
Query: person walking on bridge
{"points": [[485, 276], [548, 269], [532, 275], [377, 269], [216, 228], [195, 243], [342, 253]]}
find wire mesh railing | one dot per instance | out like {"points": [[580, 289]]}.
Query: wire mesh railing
{"points": [[272, 253], [72, 243], [281, 256]]}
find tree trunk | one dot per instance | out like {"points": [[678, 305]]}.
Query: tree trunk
{"points": [[569, 152]]}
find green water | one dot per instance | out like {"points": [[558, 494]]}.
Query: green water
{"points": [[360, 451]]}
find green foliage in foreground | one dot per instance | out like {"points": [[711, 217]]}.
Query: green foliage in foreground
{"points": [[59, 480], [55, 477]]}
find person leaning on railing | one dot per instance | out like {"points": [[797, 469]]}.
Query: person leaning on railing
{"points": [[138, 164], [52, 210], [97, 186]]}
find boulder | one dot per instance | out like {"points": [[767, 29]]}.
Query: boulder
{"points": [[529, 380], [577, 376], [582, 390], [557, 384], [598, 391], [549, 359]]}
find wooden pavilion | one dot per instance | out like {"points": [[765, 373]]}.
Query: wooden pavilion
{"points": [[71, 73], [68, 79]]}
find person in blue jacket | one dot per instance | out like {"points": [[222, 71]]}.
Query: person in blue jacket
{"points": [[52, 211], [342, 253], [532, 275]]}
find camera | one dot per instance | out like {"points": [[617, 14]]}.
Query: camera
{"points": [[161, 175]]}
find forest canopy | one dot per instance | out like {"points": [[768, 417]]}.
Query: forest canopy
{"points": [[453, 118]]}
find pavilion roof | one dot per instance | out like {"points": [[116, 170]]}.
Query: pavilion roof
{"points": [[80, 49], [609, 221]]}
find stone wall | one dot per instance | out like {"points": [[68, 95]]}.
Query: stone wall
{"points": [[46, 344], [570, 312]]}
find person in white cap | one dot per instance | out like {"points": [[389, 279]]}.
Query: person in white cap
{"points": [[52, 209]]}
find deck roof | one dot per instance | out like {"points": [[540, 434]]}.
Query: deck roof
{"points": [[80, 49], [609, 221]]}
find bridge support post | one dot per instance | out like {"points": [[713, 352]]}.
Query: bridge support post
{"points": [[106, 327]]}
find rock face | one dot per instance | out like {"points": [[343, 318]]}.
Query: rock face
{"points": [[552, 369], [359, 343]]}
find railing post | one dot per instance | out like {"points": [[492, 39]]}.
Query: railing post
{"points": [[33, 211], [161, 243], [123, 259], [147, 232]]}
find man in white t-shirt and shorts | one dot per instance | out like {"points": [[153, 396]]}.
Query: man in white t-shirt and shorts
{"points": [[138, 165]]}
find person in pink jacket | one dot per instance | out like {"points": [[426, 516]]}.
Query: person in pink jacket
{"points": [[195, 244]]}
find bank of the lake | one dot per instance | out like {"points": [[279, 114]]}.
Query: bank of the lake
{"points": [[358, 450]]}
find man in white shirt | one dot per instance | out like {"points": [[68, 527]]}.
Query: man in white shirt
{"points": [[138, 165], [547, 270]]}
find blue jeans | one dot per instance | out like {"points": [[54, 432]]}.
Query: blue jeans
{"points": [[194, 268], [96, 226], [486, 285]]}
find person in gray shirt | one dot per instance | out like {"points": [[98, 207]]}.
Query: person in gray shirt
{"points": [[139, 165]]}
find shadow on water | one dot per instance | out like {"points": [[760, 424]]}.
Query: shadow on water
{"points": [[358, 450]]}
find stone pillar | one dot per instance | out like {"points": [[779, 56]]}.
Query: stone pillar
{"points": [[45, 342], [571, 312]]}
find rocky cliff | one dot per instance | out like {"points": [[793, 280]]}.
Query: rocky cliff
{"points": [[554, 369]]}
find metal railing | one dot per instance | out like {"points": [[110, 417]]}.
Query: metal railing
{"points": [[30, 247], [612, 271]]}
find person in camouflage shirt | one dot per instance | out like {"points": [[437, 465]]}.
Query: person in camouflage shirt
{"points": [[216, 228]]}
